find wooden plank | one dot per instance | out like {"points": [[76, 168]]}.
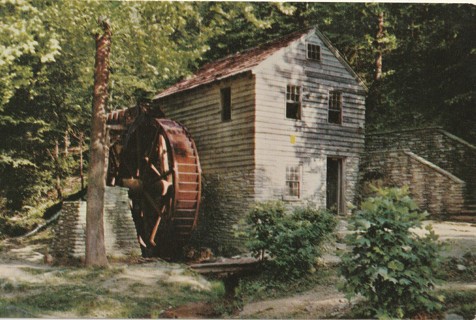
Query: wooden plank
{"points": [[188, 186]]}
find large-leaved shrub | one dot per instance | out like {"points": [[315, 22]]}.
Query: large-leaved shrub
{"points": [[291, 240], [389, 264]]}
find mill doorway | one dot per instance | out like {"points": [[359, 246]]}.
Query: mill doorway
{"points": [[334, 185]]}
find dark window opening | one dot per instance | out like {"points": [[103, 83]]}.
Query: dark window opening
{"points": [[334, 186], [335, 107], [293, 102], [313, 52], [225, 104]]}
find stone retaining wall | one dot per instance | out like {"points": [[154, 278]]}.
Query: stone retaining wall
{"points": [[438, 146], [433, 189], [119, 230]]}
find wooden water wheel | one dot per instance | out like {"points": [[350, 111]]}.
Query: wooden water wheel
{"points": [[156, 158]]}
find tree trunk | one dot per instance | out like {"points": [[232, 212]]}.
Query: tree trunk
{"points": [[95, 246], [378, 58], [56, 155], [81, 174]]}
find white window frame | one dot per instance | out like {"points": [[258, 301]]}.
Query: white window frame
{"points": [[289, 178], [289, 98], [340, 103], [310, 52]]}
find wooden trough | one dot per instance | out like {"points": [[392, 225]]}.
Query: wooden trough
{"points": [[230, 270]]}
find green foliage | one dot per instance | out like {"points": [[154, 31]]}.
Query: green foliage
{"points": [[427, 47], [460, 302], [292, 240], [47, 62], [46, 72], [390, 265], [263, 286]]}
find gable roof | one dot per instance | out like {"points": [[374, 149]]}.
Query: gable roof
{"points": [[245, 61]]}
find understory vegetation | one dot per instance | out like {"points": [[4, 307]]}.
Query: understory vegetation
{"points": [[288, 243], [389, 265], [397, 273]]}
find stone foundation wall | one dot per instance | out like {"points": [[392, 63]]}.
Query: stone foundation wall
{"points": [[433, 189], [226, 198], [119, 230]]}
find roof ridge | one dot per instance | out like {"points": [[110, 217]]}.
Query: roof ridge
{"points": [[232, 64], [261, 46]]}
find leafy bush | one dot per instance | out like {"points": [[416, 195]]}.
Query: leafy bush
{"points": [[389, 264], [291, 240]]}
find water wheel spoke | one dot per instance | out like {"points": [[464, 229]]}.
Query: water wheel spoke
{"points": [[159, 164], [153, 168]]}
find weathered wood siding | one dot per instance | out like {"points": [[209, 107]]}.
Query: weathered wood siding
{"points": [[282, 142], [226, 151]]}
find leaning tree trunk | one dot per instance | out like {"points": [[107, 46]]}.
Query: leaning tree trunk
{"points": [[95, 246]]}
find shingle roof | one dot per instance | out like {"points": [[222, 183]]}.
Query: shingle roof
{"points": [[232, 65]]}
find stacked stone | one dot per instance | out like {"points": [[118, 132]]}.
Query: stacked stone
{"points": [[119, 230], [433, 189], [70, 231], [440, 148]]}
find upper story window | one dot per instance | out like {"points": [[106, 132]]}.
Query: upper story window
{"points": [[293, 182], [293, 102], [335, 107], [225, 94], [313, 52]]}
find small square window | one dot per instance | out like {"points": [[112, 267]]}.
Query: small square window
{"points": [[335, 107], [293, 102], [313, 52], [225, 94], [293, 182]]}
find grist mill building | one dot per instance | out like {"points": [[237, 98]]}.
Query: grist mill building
{"points": [[282, 121]]}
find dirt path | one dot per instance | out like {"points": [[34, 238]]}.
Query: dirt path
{"points": [[322, 301], [459, 236]]}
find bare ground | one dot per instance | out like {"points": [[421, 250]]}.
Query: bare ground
{"points": [[17, 257]]}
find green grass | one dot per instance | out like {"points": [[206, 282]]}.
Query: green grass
{"points": [[90, 293], [459, 269], [261, 286], [460, 302]]}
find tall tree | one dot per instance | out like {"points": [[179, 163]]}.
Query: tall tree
{"points": [[46, 59], [95, 245]]}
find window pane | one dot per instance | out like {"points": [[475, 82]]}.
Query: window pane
{"points": [[293, 181], [313, 52], [292, 111], [334, 117], [335, 107], [293, 102]]}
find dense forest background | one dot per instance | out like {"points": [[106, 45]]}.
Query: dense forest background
{"points": [[47, 59]]}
